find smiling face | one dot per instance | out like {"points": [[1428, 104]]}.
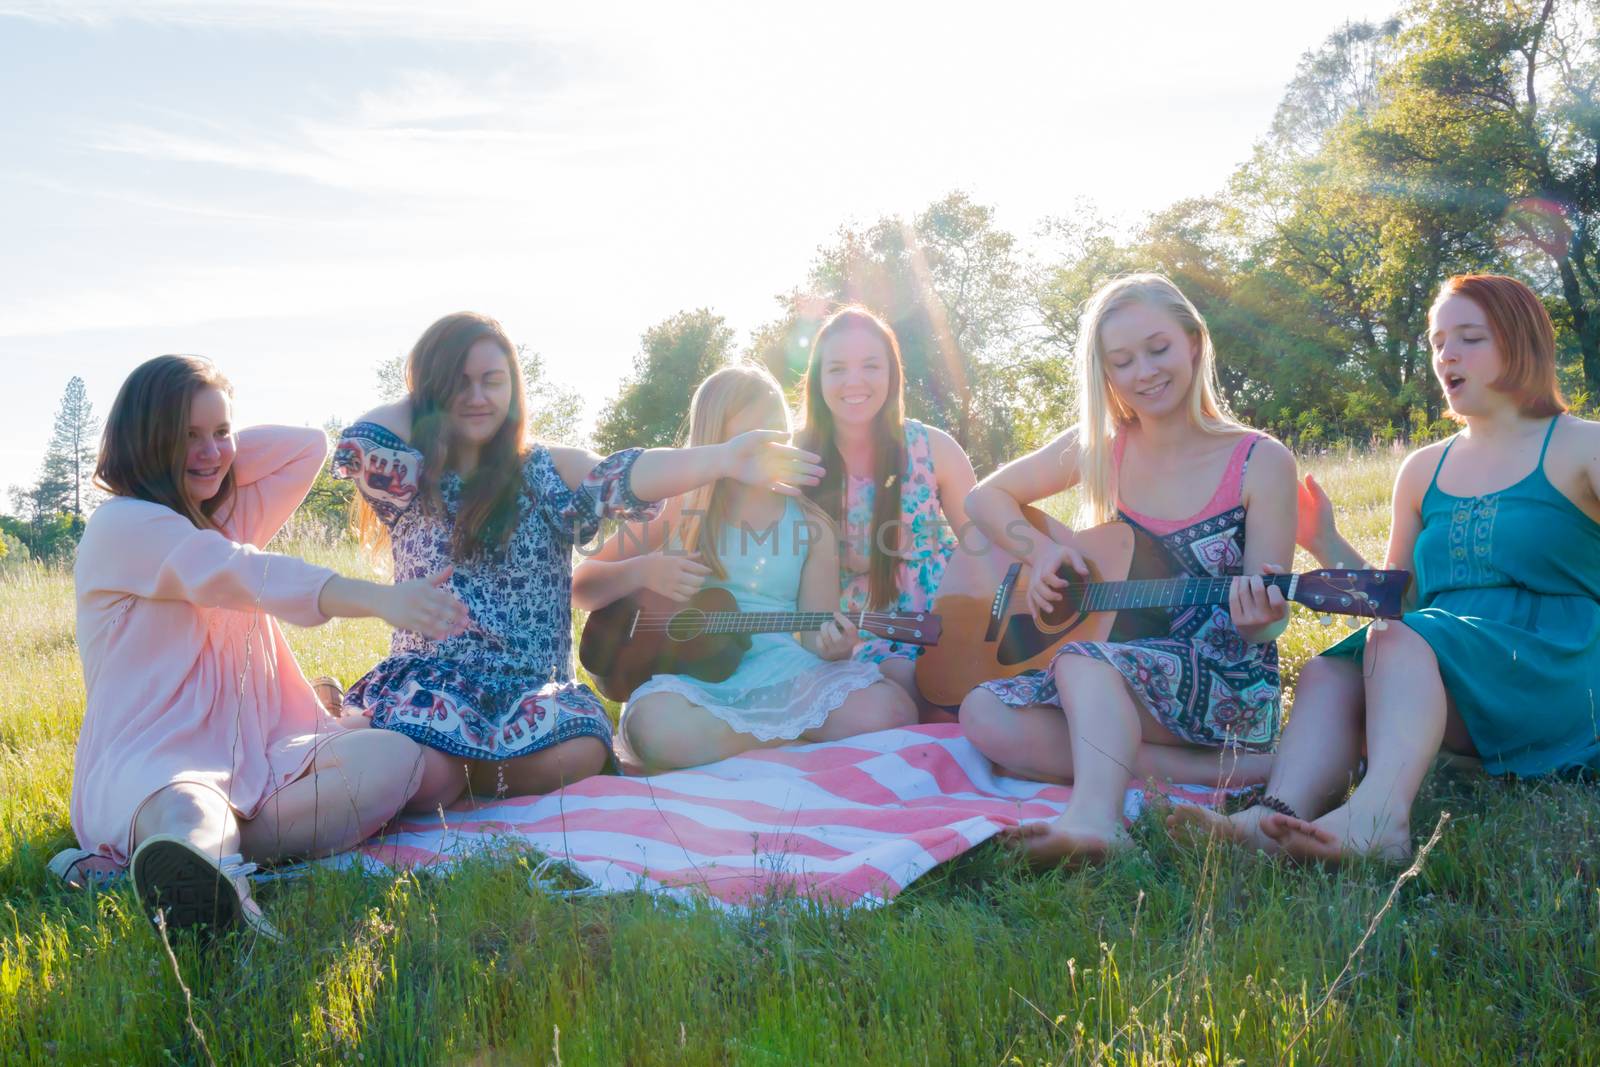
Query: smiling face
{"points": [[855, 375], [208, 454], [1466, 359], [482, 399], [1149, 360]]}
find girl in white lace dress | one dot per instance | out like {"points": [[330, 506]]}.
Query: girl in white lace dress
{"points": [[773, 554]]}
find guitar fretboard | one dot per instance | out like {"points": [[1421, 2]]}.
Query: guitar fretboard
{"points": [[1167, 592]]}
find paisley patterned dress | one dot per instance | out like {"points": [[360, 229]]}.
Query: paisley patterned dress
{"points": [[926, 544], [505, 687], [1195, 674]]}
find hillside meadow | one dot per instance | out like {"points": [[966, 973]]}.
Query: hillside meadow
{"points": [[1174, 953]]}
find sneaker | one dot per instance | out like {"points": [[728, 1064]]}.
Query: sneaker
{"points": [[189, 888], [79, 868]]}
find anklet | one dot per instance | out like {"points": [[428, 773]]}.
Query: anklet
{"points": [[1273, 803]]}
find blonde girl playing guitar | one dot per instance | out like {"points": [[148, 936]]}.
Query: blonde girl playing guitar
{"points": [[1206, 497]]}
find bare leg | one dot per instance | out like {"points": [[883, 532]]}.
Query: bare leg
{"points": [[1105, 734], [444, 780], [196, 813], [1035, 743], [1408, 714], [902, 672], [542, 772], [665, 732], [1316, 759], [879, 706], [359, 780]]}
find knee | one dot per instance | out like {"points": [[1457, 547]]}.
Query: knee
{"points": [[895, 707], [581, 757], [982, 717], [441, 779], [651, 734], [179, 804]]}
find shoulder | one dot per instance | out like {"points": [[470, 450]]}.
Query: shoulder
{"points": [[940, 444], [1269, 459], [122, 517], [367, 434], [395, 418], [571, 465], [1417, 469], [1577, 437]]}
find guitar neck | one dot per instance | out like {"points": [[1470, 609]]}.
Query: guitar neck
{"points": [[1170, 592]]}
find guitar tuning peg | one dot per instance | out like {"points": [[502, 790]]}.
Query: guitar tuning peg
{"points": [[1380, 624], [1352, 622], [1325, 620]]}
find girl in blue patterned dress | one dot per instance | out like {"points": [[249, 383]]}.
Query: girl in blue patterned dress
{"points": [[460, 496], [1496, 656], [1171, 687], [897, 488], [774, 554]]}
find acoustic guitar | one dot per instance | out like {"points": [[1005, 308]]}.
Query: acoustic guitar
{"points": [[993, 634], [625, 643]]}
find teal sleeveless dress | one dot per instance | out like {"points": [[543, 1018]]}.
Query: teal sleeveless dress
{"points": [[1508, 588], [781, 688]]}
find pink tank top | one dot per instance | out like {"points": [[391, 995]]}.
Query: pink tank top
{"points": [[1229, 494]]}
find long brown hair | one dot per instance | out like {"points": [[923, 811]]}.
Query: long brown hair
{"points": [[1522, 332], [145, 446], [487, 515], [888, 448]]}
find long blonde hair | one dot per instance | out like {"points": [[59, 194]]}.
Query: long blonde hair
{"points": [[719, 398], [1101, 414]]}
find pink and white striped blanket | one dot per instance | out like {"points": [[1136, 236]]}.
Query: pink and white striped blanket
{"points": [[852, 822]]}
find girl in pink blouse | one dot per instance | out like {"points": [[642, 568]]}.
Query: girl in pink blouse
{"points": [[203, 745]]}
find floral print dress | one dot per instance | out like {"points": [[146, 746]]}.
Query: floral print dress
{"points": [[505, 687], [926, 544], [1198, 677]]}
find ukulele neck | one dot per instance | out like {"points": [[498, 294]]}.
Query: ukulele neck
{"points": [[765, 622]]}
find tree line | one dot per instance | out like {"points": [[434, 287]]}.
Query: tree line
{"points": [[1460, 135]]}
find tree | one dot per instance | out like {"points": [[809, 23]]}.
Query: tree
{"points": [[70, 457], [955, 289], [652, 407], [555, 412]]}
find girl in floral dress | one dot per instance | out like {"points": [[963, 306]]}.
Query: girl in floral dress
{"points": [[896, 487], [1206, 497], [203, 748], [452, 484], [774, 554]]}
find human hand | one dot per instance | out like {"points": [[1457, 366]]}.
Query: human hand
{"points": [[426, 606], [837, 638], [675, 575], [765, 458], [1255, 606], [1314, 528], [1045, 587]]}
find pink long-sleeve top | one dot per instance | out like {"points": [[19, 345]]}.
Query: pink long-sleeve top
{"points": [[189, 678]]}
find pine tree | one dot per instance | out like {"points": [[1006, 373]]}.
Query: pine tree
{"points": [[70, 458]]}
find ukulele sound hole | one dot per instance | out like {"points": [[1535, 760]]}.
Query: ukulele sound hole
{"points": [[687, 625]]}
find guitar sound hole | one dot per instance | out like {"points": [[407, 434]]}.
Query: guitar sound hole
{"points": [[687, 625]]}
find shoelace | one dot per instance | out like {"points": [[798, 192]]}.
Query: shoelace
{"points": [[233, 865]]}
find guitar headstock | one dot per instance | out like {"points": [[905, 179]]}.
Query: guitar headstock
{"points": [[909, 627], [1369, 594]]}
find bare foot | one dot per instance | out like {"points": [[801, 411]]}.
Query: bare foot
{"points": [[1337, 837], [1047, 845], [329, 692], [1241, 828]]}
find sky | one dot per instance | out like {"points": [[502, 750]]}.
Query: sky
{"points": [[298, 189]]}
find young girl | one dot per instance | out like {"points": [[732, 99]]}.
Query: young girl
{"points": [[496, 706], [1500, 526], [896, 487], [1206, 497], [773, 553], [202, 743]]}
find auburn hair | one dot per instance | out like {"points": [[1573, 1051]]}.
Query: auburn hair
{"points": [[488, 510], [888, 449], [145, 446], [1523, 333]]}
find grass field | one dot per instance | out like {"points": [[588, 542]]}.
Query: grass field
{"points": [[1170, 955]]}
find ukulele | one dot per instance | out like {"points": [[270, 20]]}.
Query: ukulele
{"points": [[994, 634], [627, 642]]}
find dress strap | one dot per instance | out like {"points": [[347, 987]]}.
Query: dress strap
{"points": [[1549, 433], [1442, 457]]}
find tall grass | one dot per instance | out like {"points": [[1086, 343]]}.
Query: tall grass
{"points": [[1171, 954]]}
